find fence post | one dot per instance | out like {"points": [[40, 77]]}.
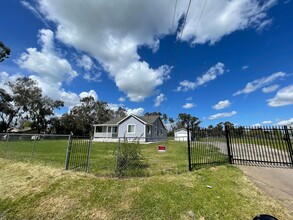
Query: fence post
{"points": [[6, 147], [287, 138], [188, 146], [227, 132], [88, 155], [117, 155], [34, 146], [68, 152]]}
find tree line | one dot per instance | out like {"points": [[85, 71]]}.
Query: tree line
{"points": [[25, 106]]}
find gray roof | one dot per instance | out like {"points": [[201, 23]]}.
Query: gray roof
{"points": [[146, 119], [114, 121]]}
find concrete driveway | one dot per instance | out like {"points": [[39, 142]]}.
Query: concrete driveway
{"points": [[276, 182]]}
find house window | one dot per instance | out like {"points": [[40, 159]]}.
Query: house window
{"points": [[99, 129], [130, 128], [149, 129], [109, 129], [156, 130], [114, 129], [161, 131]]}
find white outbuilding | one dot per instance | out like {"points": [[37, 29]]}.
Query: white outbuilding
{"points": [[181, 134]]}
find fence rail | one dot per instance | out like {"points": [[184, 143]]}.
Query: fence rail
{"points": [[266, 146]]}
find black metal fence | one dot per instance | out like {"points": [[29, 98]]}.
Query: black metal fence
{"points": [[48, 149], [265, 146], [35, 148], [78, 154], [207, 148]]}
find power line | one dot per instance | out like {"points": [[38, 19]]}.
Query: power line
{"points": [[169, 51], [174, 16], [185, 20], [200, 17]]}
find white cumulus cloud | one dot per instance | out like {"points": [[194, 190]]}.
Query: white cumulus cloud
{"points": [[211, 74], [85, 62], [256, 125], [223, 17], [267, 122], [135, 111], [259, 83], [285, 122], [282, 98], [159, 99], [188, 105], [270, 89], [222, 105], [222, 115], [112, 32], [46, 63], [121, 99], [91, 93], [6, 77]]}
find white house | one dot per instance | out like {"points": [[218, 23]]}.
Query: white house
{"points": [[131, 127], [181, 134]]}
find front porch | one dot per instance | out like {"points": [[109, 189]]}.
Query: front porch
{"points": [[106, 131]]}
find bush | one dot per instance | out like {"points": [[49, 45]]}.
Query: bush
{"points": [[130, 161]]}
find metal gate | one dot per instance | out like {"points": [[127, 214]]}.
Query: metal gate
{"points": [[207, 147], [78, 154], [265, 146]]}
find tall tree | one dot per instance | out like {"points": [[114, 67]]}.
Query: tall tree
{"points": [[7, 110], [4, 52], [120, 112], [27, 101], [219, 127], [41, 109], [229, 124], [165, 118], [188, 121], [153, 114], [87, 113]]}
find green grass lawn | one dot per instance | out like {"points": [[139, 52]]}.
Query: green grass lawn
{"points": [[44, 190], [103, 155]]}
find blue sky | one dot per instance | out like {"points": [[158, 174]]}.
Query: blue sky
{"points": [[224, 61]]}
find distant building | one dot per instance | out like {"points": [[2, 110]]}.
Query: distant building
{"points": [[181, 135]]}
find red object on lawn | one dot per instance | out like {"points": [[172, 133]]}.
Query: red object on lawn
{"points": [[162, 148]]}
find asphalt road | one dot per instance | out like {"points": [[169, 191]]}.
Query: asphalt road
{"points": [[275, 182]]}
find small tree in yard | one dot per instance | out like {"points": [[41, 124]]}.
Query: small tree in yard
{"points": [[129, 160]]}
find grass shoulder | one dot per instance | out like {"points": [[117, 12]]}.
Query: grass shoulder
{"points": [[31, 191]]}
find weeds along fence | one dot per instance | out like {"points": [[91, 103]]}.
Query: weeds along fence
{"points": [[129, 159], [40, 148]]}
